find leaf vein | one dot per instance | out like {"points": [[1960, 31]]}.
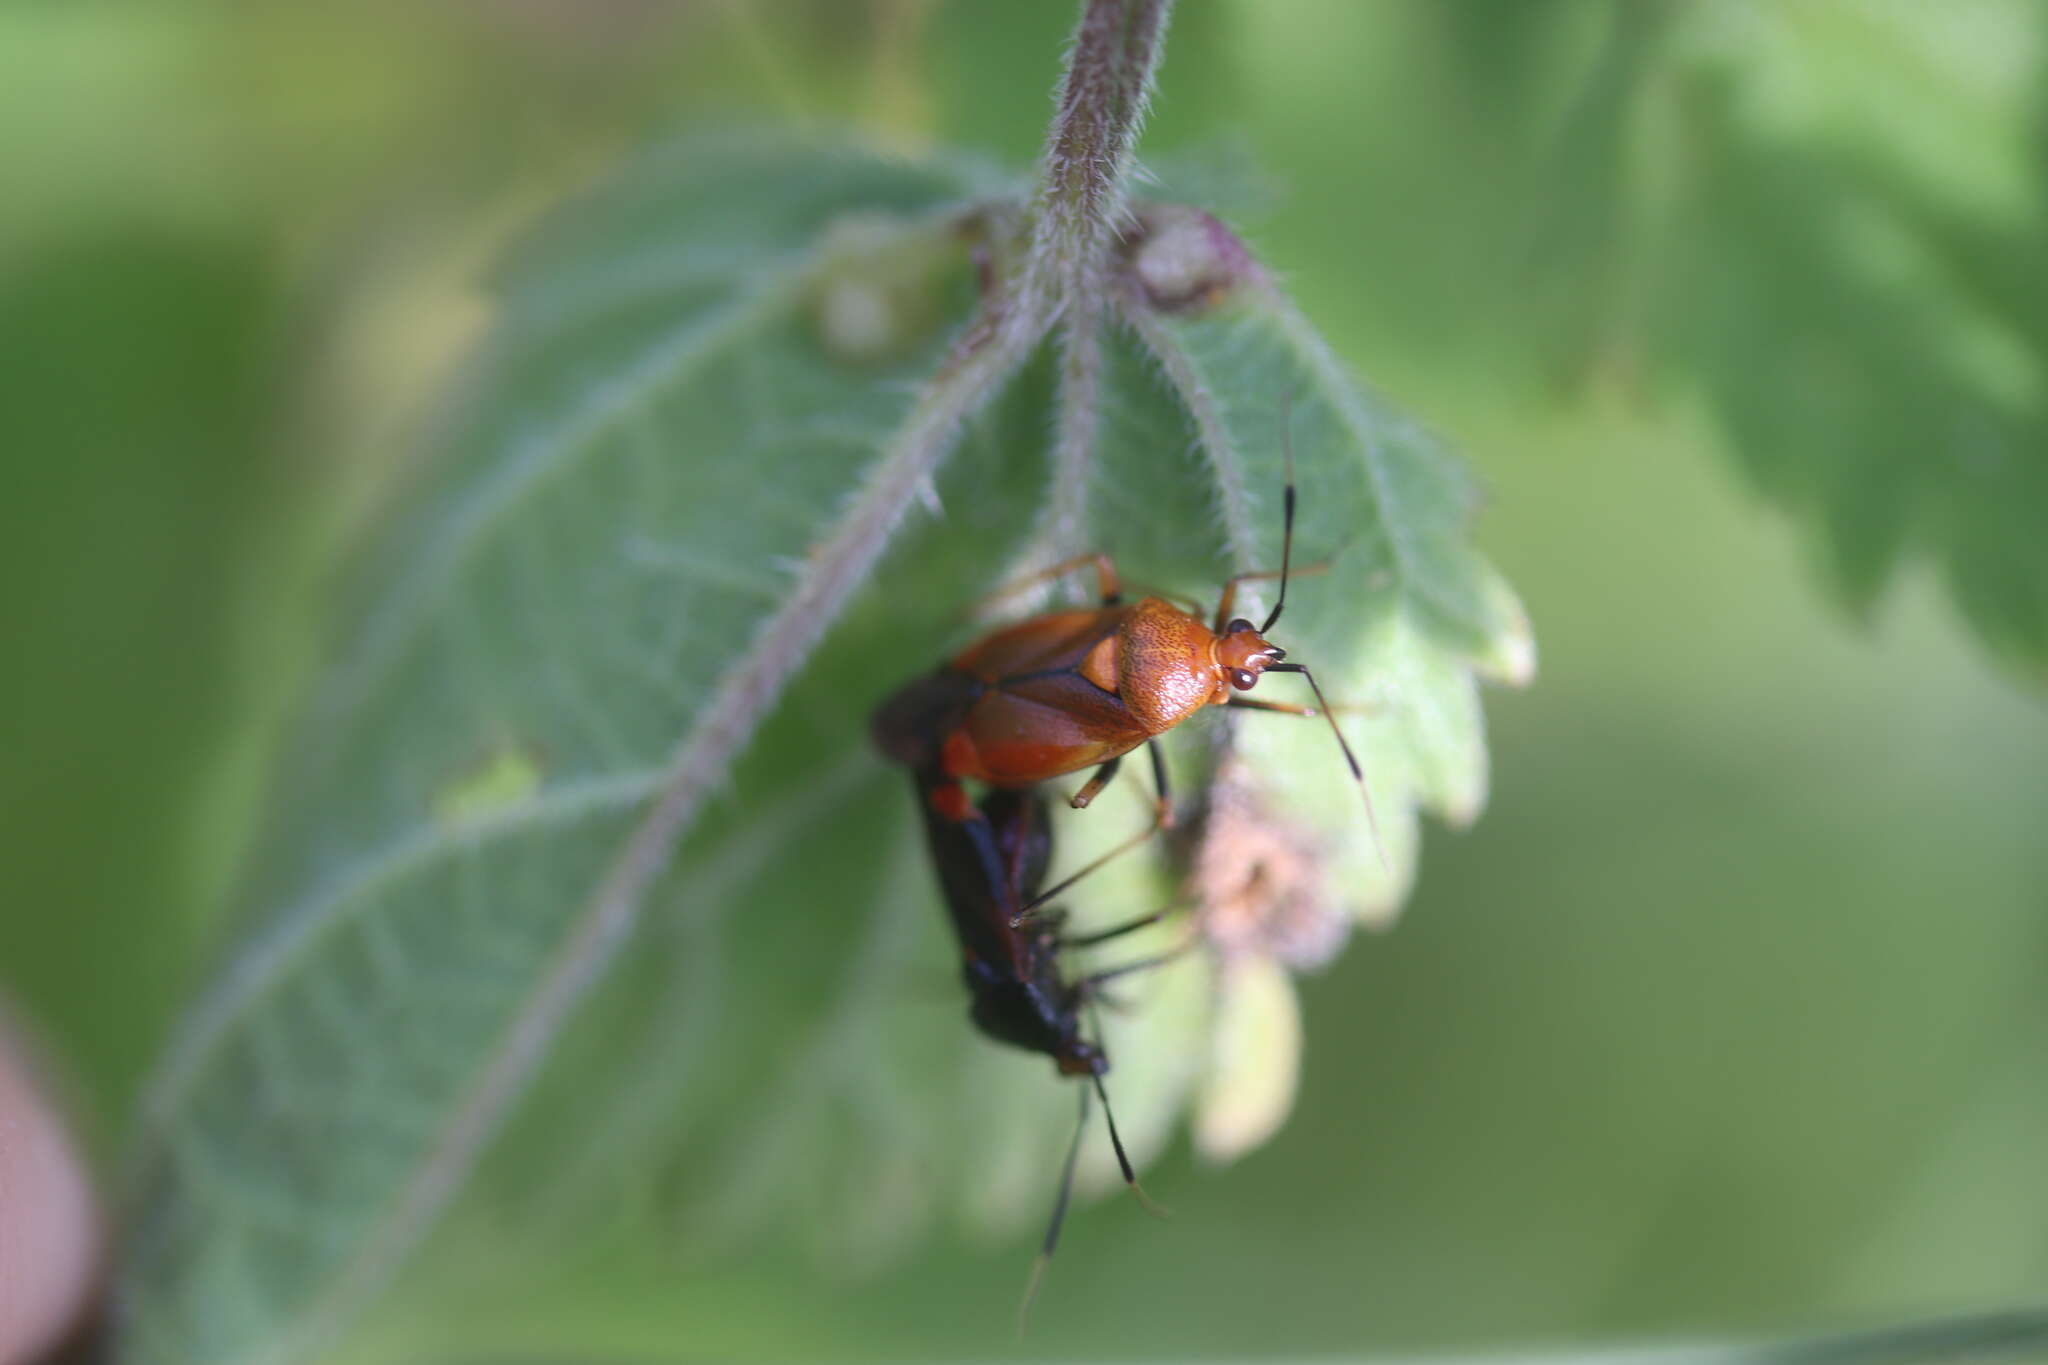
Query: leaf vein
{"points": [[719, 731], [271, 957], [534, 460], [1409, 574]]}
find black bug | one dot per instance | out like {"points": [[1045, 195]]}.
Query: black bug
{"points": [[991, 861]]}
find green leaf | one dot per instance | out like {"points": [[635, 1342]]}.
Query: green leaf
{"points": [[610, 690], [1823, 221], [852, 1107], [631, 485], [1897, 395], [1403, 621]]}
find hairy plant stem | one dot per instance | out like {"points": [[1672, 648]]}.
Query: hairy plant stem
{"points": [[1087, 159], [1079, 210], [1076, 213]]}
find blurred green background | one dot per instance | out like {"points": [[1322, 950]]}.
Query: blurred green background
{"points": [[1727, 1018]]}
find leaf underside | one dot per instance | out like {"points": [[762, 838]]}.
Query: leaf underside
{"points": [[637, 473]]}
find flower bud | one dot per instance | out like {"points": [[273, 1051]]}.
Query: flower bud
{"points": [[1185, 260]]}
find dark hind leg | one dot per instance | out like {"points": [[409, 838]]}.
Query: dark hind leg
{"points": [[1162, 818], [1127, 927]]}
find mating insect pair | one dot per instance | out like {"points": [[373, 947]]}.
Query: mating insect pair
{"points": [[1049, 696]]}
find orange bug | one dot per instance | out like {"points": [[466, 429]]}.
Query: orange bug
{"points": [[1074, 689]]}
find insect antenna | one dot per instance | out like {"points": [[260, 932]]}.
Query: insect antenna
{"points": [[1357, 773], [1286, 508], [1059, 1216]]}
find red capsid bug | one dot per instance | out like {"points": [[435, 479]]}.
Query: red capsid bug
{"points": [[1067, 690]]}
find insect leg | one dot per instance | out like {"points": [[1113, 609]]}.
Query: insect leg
{"points": [[1116, 1142], [1255, 704], [1127, 927], [1107, 585], [1159, 783], [1107, 773], [1059, 1216], [1143, 964], [1335, 708], [1158, 823], [1092, 788], [1225, 603]]}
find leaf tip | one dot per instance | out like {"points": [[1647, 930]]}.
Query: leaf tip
{"points": [[1254, 1063], [1509, 655]]}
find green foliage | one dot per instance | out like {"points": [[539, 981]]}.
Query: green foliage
{"points": [[1722, 1021], [1840, 257], [681, 404], [627, 484]]}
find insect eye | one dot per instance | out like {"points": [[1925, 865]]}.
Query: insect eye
{"points": [[1237, 627], [1241, 679]]}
